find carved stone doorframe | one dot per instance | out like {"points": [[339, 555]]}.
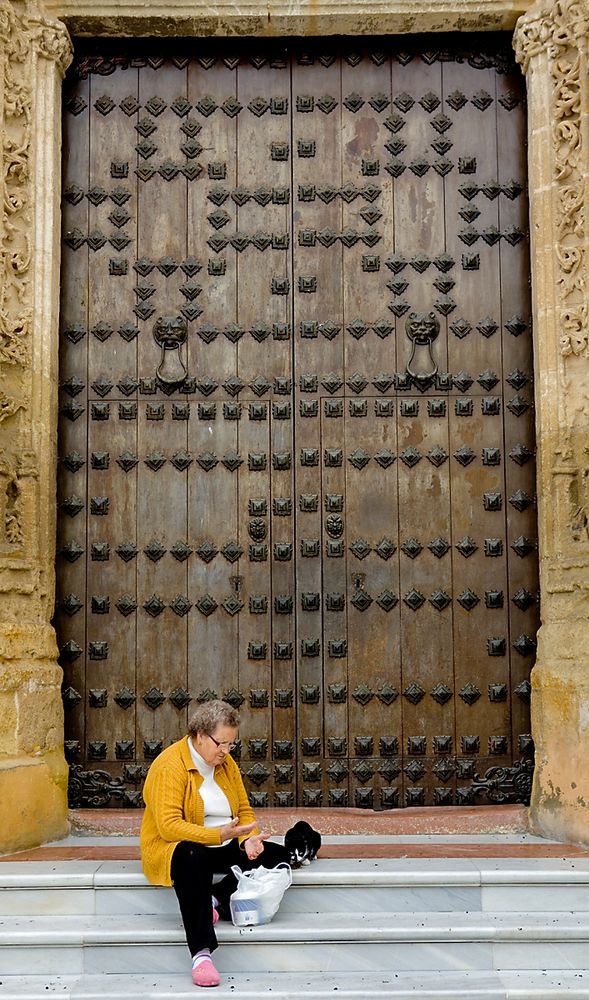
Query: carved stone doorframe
{"points": [[551, 43], [35, 51]]}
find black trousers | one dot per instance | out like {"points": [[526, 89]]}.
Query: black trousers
{"points": [[193, 867]]}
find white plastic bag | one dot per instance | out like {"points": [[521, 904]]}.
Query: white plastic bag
{"points": [[258, 894]]}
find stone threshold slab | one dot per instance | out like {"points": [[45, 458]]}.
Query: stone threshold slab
{"points": [[406, 849], [89, 840], [363, 822]]}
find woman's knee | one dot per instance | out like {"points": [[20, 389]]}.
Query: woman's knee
{"points": [[187, 858]]}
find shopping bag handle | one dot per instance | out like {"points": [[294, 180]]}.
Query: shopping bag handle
{"points": [[239, 874], [284, 864]]}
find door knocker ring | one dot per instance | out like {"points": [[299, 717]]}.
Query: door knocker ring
{"points": [[422, 329], [170, 333]]}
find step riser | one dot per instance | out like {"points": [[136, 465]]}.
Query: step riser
{"points": [[328, 899], [307, 899], [440, 956]]}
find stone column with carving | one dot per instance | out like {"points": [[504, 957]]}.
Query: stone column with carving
{"points": [[34, 54], [551, 43]]}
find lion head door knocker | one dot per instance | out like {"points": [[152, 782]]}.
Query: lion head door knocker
{"points": [[422, 329], [170, 333], [257, 529], [334, 525]]}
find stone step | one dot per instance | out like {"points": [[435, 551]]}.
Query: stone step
{"points": [[526, 985], [326, 886], [303, 942]]}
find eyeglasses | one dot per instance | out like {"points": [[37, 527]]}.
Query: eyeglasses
{"points": [[224, 746]]}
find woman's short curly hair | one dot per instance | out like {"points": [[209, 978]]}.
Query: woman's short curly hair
{"points": [[211, 714]]}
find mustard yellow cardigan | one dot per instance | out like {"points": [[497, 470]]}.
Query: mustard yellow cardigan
{"points": [[174, 809]]}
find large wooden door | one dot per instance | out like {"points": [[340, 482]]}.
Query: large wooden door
{"points": [[320, 506]]}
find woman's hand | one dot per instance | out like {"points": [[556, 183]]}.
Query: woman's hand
{"points": [[234, 829], [255, 845]]}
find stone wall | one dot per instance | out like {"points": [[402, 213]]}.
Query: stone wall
{"points": [[34, 53], [280, 17], [552, 45]]}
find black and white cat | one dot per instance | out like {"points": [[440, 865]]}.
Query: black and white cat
{"points": [[302, 842]]}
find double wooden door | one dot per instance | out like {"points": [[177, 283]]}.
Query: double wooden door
{"points": [[296, 438]]}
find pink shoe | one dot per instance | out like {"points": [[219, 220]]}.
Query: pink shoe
{"points": [[205, 974], [215, 915]]}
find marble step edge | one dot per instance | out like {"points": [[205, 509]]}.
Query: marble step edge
{"points": [[130, 902], [469, 985], [307, 928], [364, 873]]}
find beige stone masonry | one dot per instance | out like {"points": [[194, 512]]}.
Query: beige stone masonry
{"points": [[551, 44], [34, 53], [279, 17]]}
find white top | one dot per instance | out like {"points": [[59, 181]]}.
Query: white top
{"points": [[215, 802]]}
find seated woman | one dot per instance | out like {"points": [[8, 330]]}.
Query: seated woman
{"points": [[198, 823]]}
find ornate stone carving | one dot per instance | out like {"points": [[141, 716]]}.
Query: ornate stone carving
{"points": [[25, 35], [34, 51], [560, 30], [24, 32], [551, 46], [16, 499], [549, 26]]}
